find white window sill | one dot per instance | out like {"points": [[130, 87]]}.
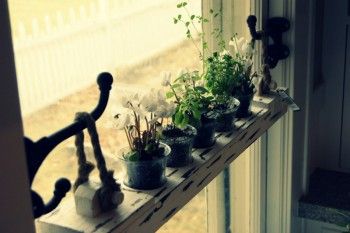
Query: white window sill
{"points": [[147, 211]]}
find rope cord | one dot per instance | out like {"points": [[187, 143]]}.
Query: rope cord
{"points": [[109, 184]]}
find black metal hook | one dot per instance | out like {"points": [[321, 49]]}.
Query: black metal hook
{"points": [[274, 28], [36, 152]]}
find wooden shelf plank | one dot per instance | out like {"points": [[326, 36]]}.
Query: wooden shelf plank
{"points": [[146, 211]]}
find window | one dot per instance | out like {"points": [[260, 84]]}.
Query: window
{"points": [[61, 46]]}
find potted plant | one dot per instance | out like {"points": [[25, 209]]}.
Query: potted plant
{"points": [[221, 77], [244, 88], [145, 157], [193, 107], [179, 137]]}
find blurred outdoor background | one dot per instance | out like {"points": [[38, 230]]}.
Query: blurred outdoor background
{"points": [[61, 46]]}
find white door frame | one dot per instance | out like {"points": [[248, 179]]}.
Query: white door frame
{"points": [[16, 210]]}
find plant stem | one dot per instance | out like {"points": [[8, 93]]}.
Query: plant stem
{"points": [[176, 97], [128, 137]]}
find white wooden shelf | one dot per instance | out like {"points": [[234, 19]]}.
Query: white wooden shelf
{"points": [[146, 211]]}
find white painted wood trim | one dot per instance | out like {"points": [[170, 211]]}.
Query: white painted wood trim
{"points": [[216, 205], [215, 189], [258, 150], [287, 141], [279, 139], [146, 211]]}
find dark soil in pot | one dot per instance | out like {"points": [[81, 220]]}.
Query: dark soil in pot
{"points": [[147, 174], [181, 142], [206, 131], [243, 110]]}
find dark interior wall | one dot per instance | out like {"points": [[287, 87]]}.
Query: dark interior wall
{"points": [[328, 98]]}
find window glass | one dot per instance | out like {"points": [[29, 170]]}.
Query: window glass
{"points": [[61, 46]]}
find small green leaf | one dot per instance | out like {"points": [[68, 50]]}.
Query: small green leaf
{"points": [[179, 5], [175, 21], [133, 156], [169, 94], [176, 85], [187, 23], [211, 11], [184, 4], [205, 45], [192, 17], [196, 114], [179, 17], [200, 89], [216, 15], [185, 120], [178, 118]]}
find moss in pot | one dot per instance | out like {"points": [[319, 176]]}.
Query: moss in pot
{"points": [[181, 142], [145, 158]]}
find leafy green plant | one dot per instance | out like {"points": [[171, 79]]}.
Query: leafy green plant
{"points": [[221, 76], [190, 22], [192, 99], [243, 54]]}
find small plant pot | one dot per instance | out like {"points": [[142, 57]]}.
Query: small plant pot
{"points": [[225, 117], [181, 142], [206, 131], [243, 110], [149, 174]]}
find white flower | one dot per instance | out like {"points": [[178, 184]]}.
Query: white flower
{"points": [[149, 102], [200, 83], [224, 52], [247, 49], [161, 97], [171, 109], [125, 102], [237, 44], [255, 80], [182, 72], [122, 120], [138, 110], [247, 63], [166, 79], [162, 111]]}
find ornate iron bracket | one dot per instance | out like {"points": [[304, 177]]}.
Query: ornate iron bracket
{"points": [[274, 29], [36, 152]]}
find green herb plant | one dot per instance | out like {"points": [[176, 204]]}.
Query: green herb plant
{"points": [[221, 76], [189, 21], [191, 98]]}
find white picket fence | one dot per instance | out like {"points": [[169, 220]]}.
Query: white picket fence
{"points": [[64, 53]]}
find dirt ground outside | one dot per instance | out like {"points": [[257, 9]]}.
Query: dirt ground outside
{"points": [[62, 161]]}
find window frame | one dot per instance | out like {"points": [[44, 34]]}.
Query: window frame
{"points": [[14, 197], [286, 130]]}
